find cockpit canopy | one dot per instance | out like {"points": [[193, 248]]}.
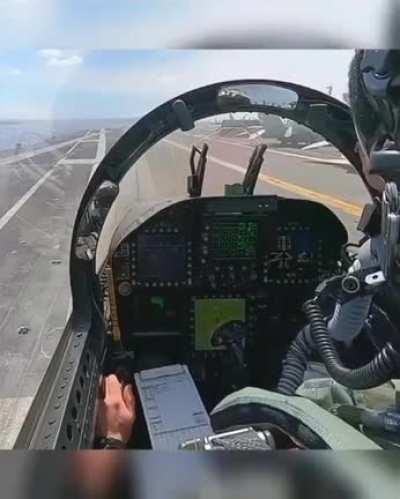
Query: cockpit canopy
{"points": [[144, 190]]}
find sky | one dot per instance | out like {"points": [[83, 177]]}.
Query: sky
{"points": [[122, 24], [102, 58], [53, 83]]}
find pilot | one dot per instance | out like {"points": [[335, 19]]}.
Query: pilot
{"points": [[374, 81]]}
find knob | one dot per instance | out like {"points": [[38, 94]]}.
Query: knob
{"points": [[351, 284], [125, 288]]}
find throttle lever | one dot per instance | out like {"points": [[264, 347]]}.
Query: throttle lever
{"points": [[231, 335]]}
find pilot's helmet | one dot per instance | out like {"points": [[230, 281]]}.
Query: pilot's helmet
{"points": [[374, 93]]}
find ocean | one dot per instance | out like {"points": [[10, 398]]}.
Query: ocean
{"points": [[32, 133]]}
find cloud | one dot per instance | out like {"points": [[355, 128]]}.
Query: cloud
{"points": [[130, 83], [152, 83], [10, 72], [26, 23], [14, 3], [14, 72], [60, 58]]}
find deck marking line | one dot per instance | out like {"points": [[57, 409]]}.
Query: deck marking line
{"points": [[351, 209]]}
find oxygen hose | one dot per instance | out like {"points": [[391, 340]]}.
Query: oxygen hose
{"points": [[345, 324], [316, 337], [378, 371], [295, 363], [349, 318]]}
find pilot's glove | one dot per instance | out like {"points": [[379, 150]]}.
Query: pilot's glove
{"points": [[116, 414]]}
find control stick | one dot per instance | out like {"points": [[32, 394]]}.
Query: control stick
{"points": [[231, 335]]}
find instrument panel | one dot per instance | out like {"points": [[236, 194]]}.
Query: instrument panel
{"points": [[237, 248]]}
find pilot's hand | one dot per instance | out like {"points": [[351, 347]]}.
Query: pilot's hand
{"points": [[117, 411]]}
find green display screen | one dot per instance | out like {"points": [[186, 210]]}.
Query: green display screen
{"points": [[210, 314], [234, 239]]}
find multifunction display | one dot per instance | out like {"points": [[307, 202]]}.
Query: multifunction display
{"points": [[233, 239]]}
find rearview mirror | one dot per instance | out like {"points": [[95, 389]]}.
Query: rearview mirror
{"points": [[256, 95]]}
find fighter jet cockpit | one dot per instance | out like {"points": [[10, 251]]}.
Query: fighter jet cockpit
{"points": [[210, 269]]}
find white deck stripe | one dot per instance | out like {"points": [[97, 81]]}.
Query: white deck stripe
{"points": [[316, 145], [19, 204], [330, 161], [12, 416], [256, 134], [101, 146], [101, 151], [67, 161], [20, 157]]}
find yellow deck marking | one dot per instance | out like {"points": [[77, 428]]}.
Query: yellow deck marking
{"points": [[334, 202]]}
